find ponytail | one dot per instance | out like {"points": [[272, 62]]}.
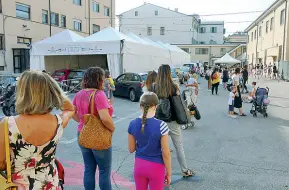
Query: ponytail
{"points": [[144, 117]]}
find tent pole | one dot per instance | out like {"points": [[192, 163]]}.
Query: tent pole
{"points": [[49, 8]]}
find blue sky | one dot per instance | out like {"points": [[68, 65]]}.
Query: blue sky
{"points": [[205, 7]]}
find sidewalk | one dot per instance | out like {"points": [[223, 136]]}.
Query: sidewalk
{"points": [[278, 94]]}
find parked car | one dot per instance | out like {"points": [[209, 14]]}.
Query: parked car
{"points": [[179, 73], [175, 78], [73, 82], [185, 71], [60, 75], [130, 85]]}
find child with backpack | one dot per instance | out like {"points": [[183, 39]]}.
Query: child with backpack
{"points": [[148, 137], [232, 95]]}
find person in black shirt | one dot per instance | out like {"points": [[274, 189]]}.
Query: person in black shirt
{"points": [[225, 77], [275, 71], [245, 77], [262, 67]]}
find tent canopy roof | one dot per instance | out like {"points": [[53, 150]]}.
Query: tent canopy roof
{"points": [[108, 34], [62, 37], [136, 38], [227, 59]]}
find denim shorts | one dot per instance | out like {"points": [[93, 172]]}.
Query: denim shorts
{"points": [[231, 107]]}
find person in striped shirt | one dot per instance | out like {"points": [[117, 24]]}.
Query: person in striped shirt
{"points": [[148, 137]]}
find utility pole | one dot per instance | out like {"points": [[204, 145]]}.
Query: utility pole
{"points": [[49, 12], [89, 17], [111, 8]]}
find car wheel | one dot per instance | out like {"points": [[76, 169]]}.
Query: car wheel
{"points": [[183, 80], [12, 110], [132, 95], [6, 111]]}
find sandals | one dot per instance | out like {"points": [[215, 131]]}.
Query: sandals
{"points": [[188, 173]]}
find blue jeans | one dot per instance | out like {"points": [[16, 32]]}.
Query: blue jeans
{"points": [[92, 159]]}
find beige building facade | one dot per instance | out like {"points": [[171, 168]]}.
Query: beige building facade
{"points": [[268, 36], [24, 22], [210, 53]]}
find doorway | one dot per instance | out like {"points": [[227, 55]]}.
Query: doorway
{"points": [[21, 60]]}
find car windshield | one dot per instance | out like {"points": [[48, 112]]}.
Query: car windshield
{"points": [[185, 69], [75, 74], [58, 73], [174, 75], [144, 77]]}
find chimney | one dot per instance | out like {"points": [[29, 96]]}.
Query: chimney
{"points": [[176, 9]]}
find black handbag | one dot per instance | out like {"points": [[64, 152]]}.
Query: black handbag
{"points": [[180, 110]]}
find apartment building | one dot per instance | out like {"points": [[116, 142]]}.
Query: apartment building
{"points": [[211, 32], [209, 53], [268, 35], [24, 22], [170, 26]]}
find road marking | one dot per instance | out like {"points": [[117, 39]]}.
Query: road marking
{"points": [[115, 122]]}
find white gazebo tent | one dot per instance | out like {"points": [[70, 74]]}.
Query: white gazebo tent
{"points": [[227, 59], [133, 56], [50, 46]]}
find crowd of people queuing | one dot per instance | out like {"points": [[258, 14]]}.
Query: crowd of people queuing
{"points": [[35, 133]]}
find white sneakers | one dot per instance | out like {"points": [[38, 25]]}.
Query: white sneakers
{"points": [[233, 116]]}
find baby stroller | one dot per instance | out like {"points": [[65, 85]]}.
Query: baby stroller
{"points": [[189, 95], [260, 102]]}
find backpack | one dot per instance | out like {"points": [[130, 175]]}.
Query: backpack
{"points": [[164, 110]]}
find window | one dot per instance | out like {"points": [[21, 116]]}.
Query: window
{"points": [[202, 30], [77, 2], [260, 31], [63, 21], [77, 25], [0, 6], [213, 29], [224, 31], [280, 53], [252, 57], [201, 51], [95, 28], [252, 35], [272, 24], [54, 19], [136, 13], [282, 17], [22, 11], [149, 31], [156, 12], [106, 11], [267, 26], [44, 16], [162, 30], [22, 40], [1, 42], [223, 51], [255, 35], [201, 42], [21, 60], [212, 42], [186, 50], [95, 7]]}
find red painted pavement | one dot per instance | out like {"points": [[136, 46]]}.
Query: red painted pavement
{"points": [[74, 176]]}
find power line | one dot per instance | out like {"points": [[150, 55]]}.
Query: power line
{"points": [[208, 15], [231, 22], [168, 30]]}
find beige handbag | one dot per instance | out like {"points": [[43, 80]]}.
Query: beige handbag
{"points": [[94, 134], [6, 179]]}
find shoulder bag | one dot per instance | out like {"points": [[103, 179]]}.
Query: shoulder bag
{"points": [[6, 179], [94, 134], [181, 112]]}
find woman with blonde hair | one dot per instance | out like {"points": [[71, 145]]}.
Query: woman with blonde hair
{"points": [[93, 83], [165, 89], [35, 132], [151, 79]]}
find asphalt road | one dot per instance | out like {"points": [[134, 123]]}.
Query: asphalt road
{"points": [[244, 153]]}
